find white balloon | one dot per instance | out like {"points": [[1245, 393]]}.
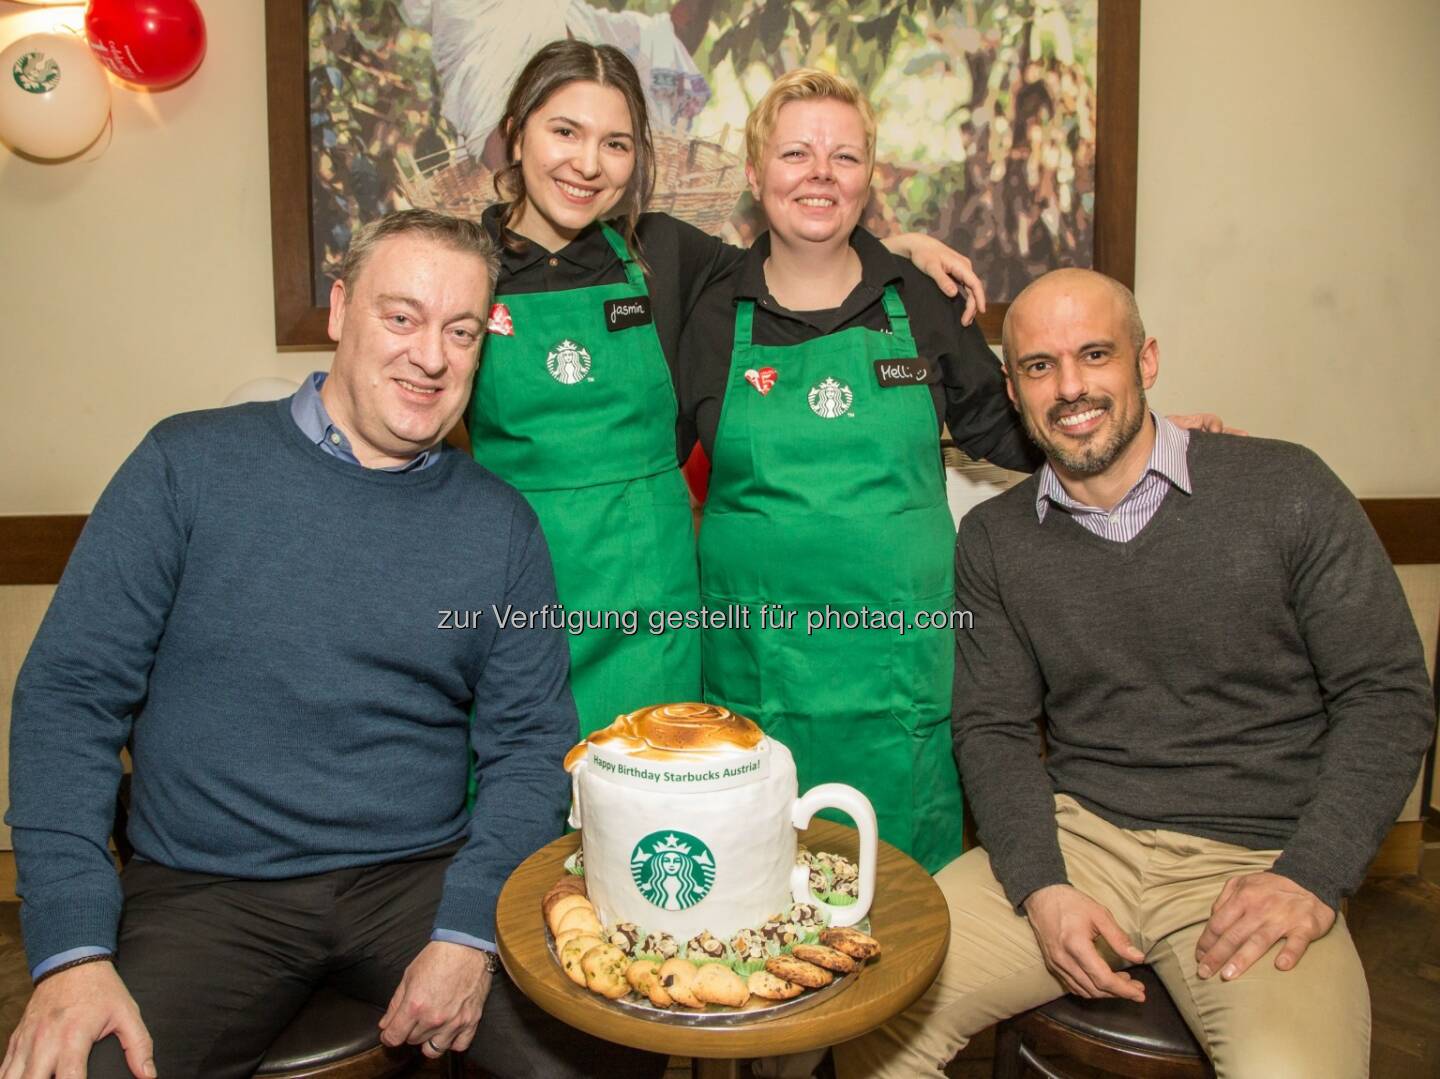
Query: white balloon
{"points": [[54, 96], [261, 389]]}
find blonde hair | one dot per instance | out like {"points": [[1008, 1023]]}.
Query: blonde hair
{"points": [[804, 84]]}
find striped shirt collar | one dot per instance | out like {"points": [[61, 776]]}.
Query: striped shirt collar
{"points": [[1167, 459]]}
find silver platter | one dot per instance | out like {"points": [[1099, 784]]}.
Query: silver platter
{"points": [[717, 1015]]}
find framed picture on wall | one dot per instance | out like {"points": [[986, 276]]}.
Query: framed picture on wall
{"points": [[1005, 127]]}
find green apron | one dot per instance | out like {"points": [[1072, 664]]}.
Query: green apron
{"points": [[581, 419], [828, 491]]}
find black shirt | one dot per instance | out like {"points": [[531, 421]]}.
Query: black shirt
{"points": [[969, 395], [681, 262]]}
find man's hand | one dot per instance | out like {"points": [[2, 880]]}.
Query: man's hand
{"points": [[1066, 922], [438, 1003], [68, 1013], [1203, 421], [945, 265], [1252, 912]]}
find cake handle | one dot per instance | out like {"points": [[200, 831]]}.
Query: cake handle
{"points": [[848, 800]]}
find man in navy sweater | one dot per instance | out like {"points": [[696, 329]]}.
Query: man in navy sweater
{"points": [[256, 608], [1235, 706]]}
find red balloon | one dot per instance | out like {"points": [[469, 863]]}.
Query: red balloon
{"points": [[147, 42]]}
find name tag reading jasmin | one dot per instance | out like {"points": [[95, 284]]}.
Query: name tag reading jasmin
{"points": [[891, 373], [622, 314]]}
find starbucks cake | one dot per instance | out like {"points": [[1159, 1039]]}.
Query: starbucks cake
{"points": [[685, 817]]}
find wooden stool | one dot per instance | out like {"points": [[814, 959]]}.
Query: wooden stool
{"points": [[1120, 1037], [334, 1037]]}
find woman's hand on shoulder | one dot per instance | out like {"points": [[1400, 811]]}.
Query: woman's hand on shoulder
{"points": [[944, 265], [1203, 421]]}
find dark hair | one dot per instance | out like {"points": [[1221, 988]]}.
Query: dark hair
{"points": [[555, 65], [469, 237]]}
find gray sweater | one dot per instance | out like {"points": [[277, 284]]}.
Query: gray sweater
{"points": [[1245, 669]]}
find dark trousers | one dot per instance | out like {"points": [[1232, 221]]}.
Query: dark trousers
{"points": [[219, 966]]}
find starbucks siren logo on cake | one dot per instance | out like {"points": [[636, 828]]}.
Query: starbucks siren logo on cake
{"points": [[688, 815]]}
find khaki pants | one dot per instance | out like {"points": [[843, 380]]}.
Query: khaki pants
{"points": [[1311, 1022]]}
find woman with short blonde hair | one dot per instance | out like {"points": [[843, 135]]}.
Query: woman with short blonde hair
{"points": [[818, 378]]}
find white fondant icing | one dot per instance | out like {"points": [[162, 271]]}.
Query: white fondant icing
{"points": [[746, 830]]}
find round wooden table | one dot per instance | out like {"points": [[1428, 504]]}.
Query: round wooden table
{"points": [[909, 918]]}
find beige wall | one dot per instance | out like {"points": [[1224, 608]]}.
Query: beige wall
{"points": [[138, 284], [1287, 224]]}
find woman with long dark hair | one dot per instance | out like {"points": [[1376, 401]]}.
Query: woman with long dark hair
{"points": [[574, 402]]}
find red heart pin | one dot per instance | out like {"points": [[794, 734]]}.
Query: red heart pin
{"points": [[762, 379], [500, 322]]}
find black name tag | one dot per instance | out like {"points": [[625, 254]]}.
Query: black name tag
{"points": [[622, 314], [914, 372]]}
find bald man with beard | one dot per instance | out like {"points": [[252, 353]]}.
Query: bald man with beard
{"points": [[1235, 706]]}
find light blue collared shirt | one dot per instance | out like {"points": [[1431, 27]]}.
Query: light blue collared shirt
{"points": [[1166, 468], [308, 412]]}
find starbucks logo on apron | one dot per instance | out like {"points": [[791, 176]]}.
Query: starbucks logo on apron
{"points": [[673, 870], [568, 362], [36, 73], [830, 399]]}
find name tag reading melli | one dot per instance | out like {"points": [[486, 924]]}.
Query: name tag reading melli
{"points": [[911, 372], [631, 311]]}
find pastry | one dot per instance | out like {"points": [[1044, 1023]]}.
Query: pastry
{"points": [[677, 977], [799, 971], [640, 974], [661, 944], [557, 893], [715, 983], [768, 986], [568, 935], [579, 918], [625, 936], [825, 957], [572, 953], [704, 946], [604, 967], [782, 933], [563, 906], [748, 945], [852, 942]]}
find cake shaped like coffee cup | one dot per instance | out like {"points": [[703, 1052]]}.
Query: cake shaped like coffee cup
{"points": [[688, 815]]}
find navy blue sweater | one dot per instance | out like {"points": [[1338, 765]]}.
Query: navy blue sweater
{"points": [[261, 621]]}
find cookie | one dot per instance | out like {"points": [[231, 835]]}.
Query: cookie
{"points": [[825, 957], [568, 883], [658, 994], [579, 918], [557, 893], [571, 955], [715, 983], [570, 934], [604, 967], [799, 971], [852, 942], [768, 986], [640, 974], [677, 977], [563, 906]]}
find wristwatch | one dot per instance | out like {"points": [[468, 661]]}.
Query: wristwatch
{"points": [[492, 960]]}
